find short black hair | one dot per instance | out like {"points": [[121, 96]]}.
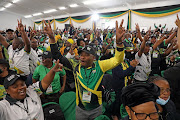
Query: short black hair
{"points": [[152, 79], [9, 30], [4, 63], [79, 40]]}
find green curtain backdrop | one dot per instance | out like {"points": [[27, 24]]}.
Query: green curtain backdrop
{"points": [[81, 19], [158, 11], [62, 20], [112, 14]]}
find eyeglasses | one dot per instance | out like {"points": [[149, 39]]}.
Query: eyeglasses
{"points": [[162, 90], [143, 116]]}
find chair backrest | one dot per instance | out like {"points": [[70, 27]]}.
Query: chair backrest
{"points": [[52, 111], [67, 103]]}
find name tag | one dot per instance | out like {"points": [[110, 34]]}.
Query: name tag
{"points": [[86, 96], [155, 54], [49, 89]]}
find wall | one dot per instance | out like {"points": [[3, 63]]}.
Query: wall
{"points": [[146, 22], [9, 20]]}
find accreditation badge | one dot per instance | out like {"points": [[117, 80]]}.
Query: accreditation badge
{"points": [[86, 96]]}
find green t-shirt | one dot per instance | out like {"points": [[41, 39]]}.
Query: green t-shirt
{"points": [[41, 71]]}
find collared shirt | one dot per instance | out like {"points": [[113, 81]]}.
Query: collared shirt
{"points": [[19, 60], [143, 69], [30, 109], [34, 59]]}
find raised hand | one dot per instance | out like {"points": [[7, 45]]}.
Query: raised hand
{"points": [[20, 25], [146, 37], [32, 33], [138, 30], [58, 67], [48, 30], [134, 63], [137, 27], [119, 32], [177, 21]]}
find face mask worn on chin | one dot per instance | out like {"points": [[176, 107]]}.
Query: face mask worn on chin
{"points": [[162, 101], [129, 39]]}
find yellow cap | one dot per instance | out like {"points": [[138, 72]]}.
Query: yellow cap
{"points": [[70, 41]]}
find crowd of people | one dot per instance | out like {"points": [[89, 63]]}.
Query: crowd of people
{"points": [[115, 73]]}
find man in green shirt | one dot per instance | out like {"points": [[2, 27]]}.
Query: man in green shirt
{"points": [[41, 71]]}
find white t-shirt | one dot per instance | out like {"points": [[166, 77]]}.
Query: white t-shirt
{"points": [[19, 60], [17, 111], [143, 69], [34, 60]]}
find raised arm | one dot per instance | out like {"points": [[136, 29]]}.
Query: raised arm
{"points": [[47, 80], [49, 32], [170, 48], [171, 37], [178, 33], [119, 54], [3, 41], [24, 36], [138, 33], [157, 43], [54, 48], [146, 38]]}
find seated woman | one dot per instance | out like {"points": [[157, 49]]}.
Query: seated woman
{"points": [[139, 101], [22, 102], [54, 90], [165, 105]]}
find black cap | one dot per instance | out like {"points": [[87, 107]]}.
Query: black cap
{"points": [[9, 30], [12, 78], [88, 49], [47, 54]]}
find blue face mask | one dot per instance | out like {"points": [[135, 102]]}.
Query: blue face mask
{"points": [[129, 39], [161, 101]]}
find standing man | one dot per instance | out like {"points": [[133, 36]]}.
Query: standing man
{"points": [[89, 74]]}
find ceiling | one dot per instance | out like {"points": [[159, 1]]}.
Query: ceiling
{"points": [[29, 7]]}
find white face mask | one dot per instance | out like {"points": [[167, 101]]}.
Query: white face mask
{"points": [[162, 101]]}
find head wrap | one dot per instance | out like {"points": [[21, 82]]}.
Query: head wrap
{"points": [[139, 93]]}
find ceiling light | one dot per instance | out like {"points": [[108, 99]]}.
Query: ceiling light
{"points": [[62, 8], [49, 11], [36, 14], [15, 1], [28, 16], [1, 9], [73, 5], [95, 16], [92, 1], [8, 5]]}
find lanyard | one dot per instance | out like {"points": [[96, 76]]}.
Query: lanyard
{"points": [[25, 108], [88, 76]]}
